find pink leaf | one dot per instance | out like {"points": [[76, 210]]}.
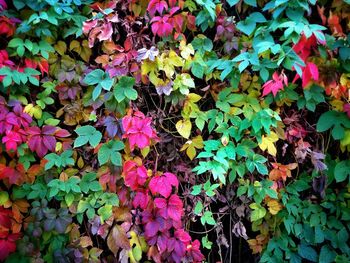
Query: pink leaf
{"points": [[163, 184]]}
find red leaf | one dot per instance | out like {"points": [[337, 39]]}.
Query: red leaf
{"points": [[275, 85], [310, 72], [134, 174]]}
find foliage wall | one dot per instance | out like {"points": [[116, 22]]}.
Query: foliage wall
{"points": [[174, 131]]}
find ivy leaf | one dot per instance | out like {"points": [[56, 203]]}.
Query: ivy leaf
{"points": [[327, 255], [87, 134], [100, 78], [117, 239], [89, 182], [59, 160], [184, 128], [196, 189], [267, 143], [258, 212], [247, 26], [191, 146], [307, 252], [232, 2], [124, 89], [207, 218], [337, 121], [274, 206], [342, 171], [110, 151], [163, 184]]}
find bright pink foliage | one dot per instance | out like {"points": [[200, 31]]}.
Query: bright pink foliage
{"points": [[138, 130], [171, 208], [157, 5], [163, 184], [163, 26]]}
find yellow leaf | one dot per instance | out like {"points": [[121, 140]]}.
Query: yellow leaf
{"points": [[145, 151], [184, 128], [58, 146], [80, 162], [34, 111], [191, 145], [86, 51], [186, 50], [198, 142], [148, 66], [75, 45], [61, 47], [191, 152], [267, 143], [345, 142], [337, 104], [193, 97], [274, 206]]}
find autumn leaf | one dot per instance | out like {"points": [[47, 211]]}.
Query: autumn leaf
{"points": [[163, 184], [267, 143], [117, 239], [281, 171], [274, 206], [184, 128], [191, 145], [275, 85]]}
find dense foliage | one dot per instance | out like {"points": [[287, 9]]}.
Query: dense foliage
{"points": [[175, 131]]}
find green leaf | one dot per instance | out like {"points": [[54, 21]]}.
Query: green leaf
{"points": [[110, 151], [198, 208], [250, 2], [307, 252], [196, 190], [94, 77], [69, 198], [258, 212], [207, 218], [124, 89], [247, 26], [338, 120], [327, 255], [342, 171], [86, 134]]}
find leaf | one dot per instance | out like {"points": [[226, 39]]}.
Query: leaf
{"points": [[258, 212], [124, 89], [327, 255], [338, 121], [110, 151], [163, 184], [94, 77], [307, 252], [207, 218], [87, 134], [196, 190], [274, 206], [191, 146], [267, 143], [198, 208], [342, 171], [117, 239], [184, 128], [247, 26]]}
